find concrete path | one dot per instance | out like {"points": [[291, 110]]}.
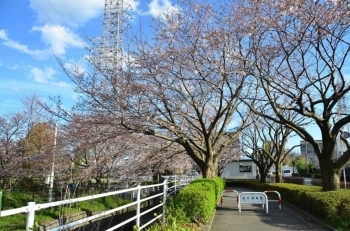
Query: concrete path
{"points": [[254, 217]]}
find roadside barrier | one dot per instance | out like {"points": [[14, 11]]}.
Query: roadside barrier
{"points": [[253, 198], [228, 190], [279, 198]]}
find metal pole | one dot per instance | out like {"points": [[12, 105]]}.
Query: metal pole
{"points": [[165, 189], [307, 159], [30, 216], [138, 206], [344, 177], [52, 175], [0, 202]]}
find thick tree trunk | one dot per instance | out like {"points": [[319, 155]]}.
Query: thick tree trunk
{"points": [[209, 170], [278, 177], [330, 175], [263, 175]]}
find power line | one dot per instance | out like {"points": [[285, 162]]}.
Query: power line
{"points": [[60, 15], [56, 24], [69, 13]]}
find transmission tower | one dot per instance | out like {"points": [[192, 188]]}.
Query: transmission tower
{"points": [[107, 52]]}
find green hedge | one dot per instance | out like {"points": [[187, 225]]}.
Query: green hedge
{"points": [[332, 207], [218, 183], [198, 200]]}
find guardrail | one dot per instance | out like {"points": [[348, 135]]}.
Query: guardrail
{"points": [[228, 190], [178, 182], [254, 198], [279, 198]]}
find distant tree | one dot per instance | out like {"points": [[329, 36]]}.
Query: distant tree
{"points": [[231, 153], [12, 128], [258, 150], [26, 141], [265, 143], [288, 160], [37, 150], [300, 50]]}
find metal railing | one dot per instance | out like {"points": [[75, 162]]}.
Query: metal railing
{"points": [[177, 181]]}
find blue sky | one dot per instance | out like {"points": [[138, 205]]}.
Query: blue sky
{"points": [[34, 32]]}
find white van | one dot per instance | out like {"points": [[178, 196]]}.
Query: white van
{"points": [[286, 172]]}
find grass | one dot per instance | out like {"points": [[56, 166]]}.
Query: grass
{"points": [[13, 199]]}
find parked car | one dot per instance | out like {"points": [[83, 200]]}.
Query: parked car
{"points": [[192, 173], [286, 172]]}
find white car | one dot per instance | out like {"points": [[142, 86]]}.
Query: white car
{"points": [[286, 172], [192, 173]]}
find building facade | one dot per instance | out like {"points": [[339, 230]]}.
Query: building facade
{"points": [[308, 152]]}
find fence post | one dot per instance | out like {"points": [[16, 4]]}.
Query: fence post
{"points": [[0, 202], [165, 190], [138, 209], [30, 216]]}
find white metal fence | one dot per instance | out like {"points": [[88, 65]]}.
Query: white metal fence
{"points": [[177, 183]]}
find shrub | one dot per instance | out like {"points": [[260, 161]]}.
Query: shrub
{"points": [[218, 183], [197, 200]]}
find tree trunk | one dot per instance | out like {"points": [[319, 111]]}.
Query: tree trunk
{"points": [[330, 175], [209, 170], [278, 177], [6, 182], [263, 175]]}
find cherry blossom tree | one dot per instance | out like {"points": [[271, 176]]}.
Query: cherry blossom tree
{"points": [[300, 50], [184, 86], [265, 143], [232, 152], [26, 141], [12, 128]]}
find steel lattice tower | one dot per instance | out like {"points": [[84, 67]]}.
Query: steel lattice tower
{"points": [[107, 52]]}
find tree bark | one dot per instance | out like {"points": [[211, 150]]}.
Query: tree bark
{"points": [[330, 176], [209, 170], [263, 175], [278, 177]]}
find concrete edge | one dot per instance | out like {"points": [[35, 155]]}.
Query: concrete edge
{"points": [[208, 225], [309, 215]]}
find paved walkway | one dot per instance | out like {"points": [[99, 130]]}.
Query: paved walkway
{"points": [[254, 217]]}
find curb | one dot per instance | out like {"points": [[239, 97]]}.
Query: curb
{"points": [[207, 226], [310, 216]]}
